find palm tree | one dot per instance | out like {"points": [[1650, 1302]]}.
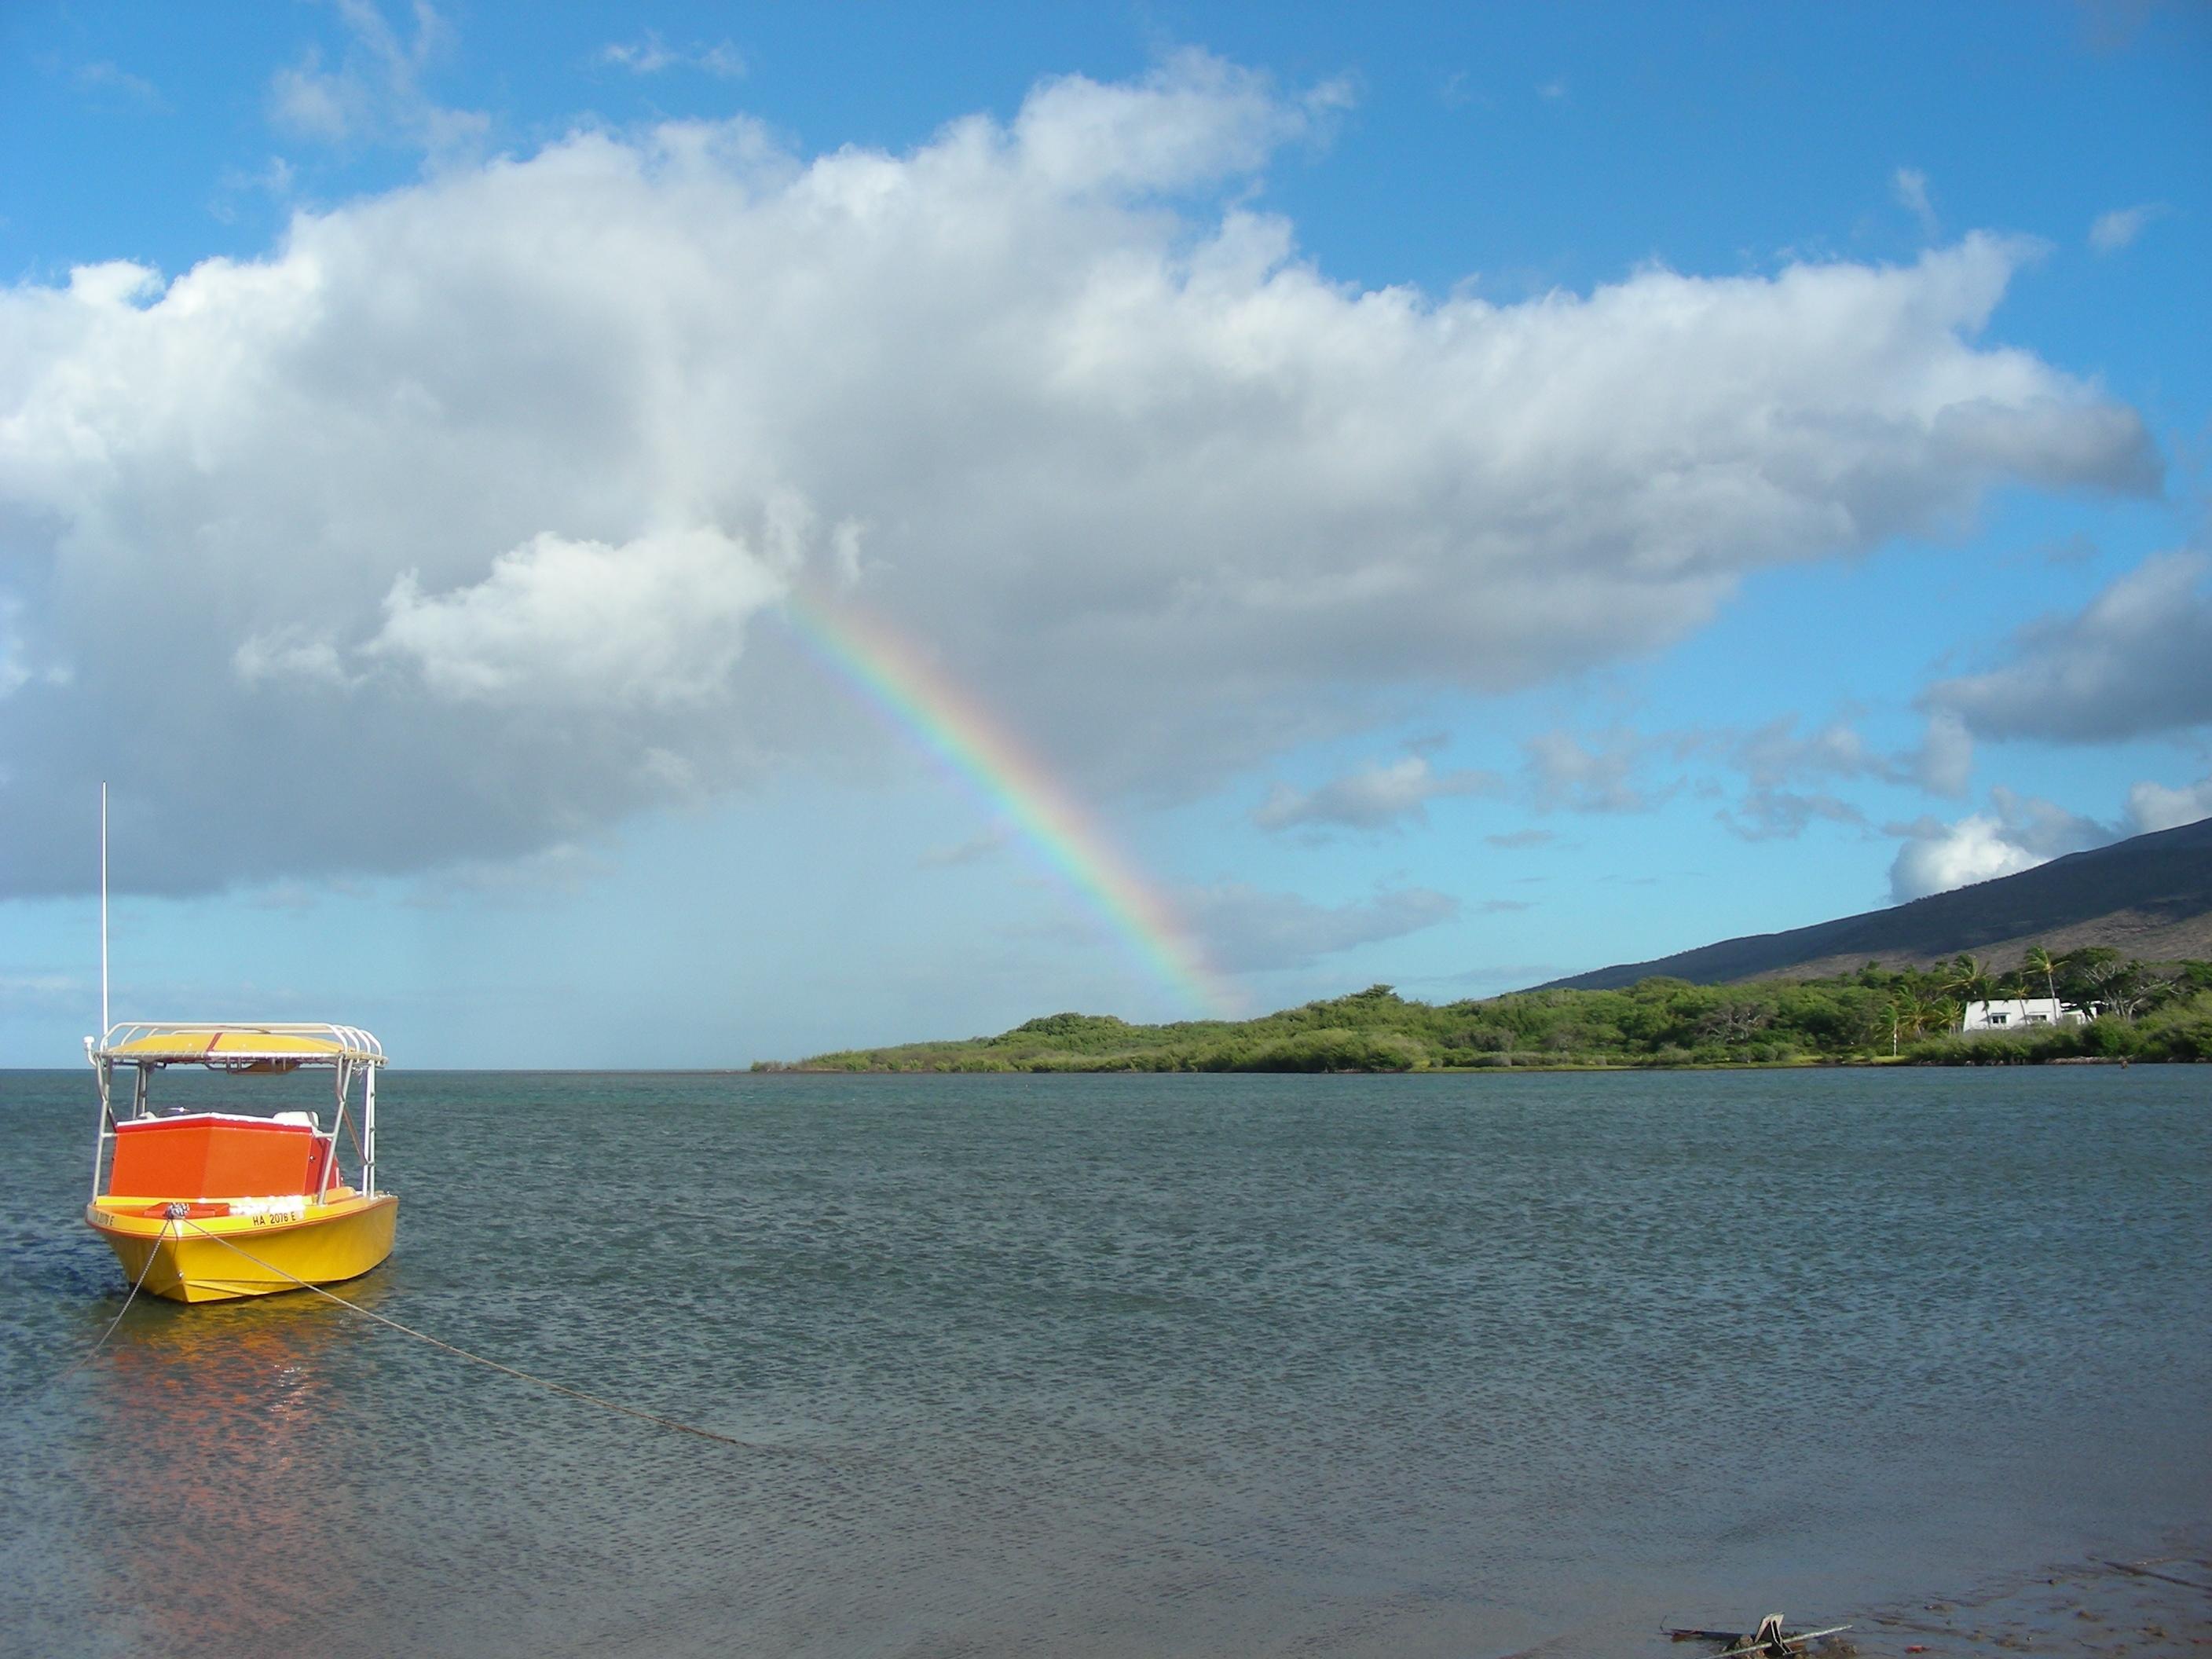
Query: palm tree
{"points": [[1969, 980], [2039, 961], [1912, 1014]]}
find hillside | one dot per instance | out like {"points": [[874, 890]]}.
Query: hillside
{"points": [[1869, 988], [2149, 897]]}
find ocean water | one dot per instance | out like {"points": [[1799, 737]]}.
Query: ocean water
{"points": [[1131, 1366]]}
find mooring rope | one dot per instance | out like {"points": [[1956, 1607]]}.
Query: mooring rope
{"points": [[85, 1358], [509, 1370]]}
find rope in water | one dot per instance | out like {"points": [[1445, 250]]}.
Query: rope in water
{"points": [[85, 1358], [493, 1364]]}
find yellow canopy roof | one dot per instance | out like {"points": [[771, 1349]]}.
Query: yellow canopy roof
{"points": [[238, 1045]]}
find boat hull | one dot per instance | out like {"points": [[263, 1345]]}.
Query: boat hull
{"points": [[221, 1258]]}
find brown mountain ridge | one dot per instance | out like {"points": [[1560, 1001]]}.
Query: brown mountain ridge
{"points": [[2149, 896]]}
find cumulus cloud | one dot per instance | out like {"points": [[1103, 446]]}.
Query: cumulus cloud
{"points": [[1938, 857], [2111, 232], [1380, 796], [2153, 806], [2136, 661], [2045, 828], [658, 619], [1246, 930], [2018, 833], [1128, 467]]}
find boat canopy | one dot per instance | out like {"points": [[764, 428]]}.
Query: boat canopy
{"points": [[235, 1048], [348, 1054]]}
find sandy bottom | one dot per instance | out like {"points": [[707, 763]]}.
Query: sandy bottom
{"points": [[2085, 1610]]}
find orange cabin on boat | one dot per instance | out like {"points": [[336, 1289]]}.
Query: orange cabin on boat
{"points": [[218, 1155]]}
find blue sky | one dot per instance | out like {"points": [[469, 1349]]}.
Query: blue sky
{"points": [[1454, 497]]}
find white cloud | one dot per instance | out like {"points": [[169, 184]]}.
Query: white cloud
{"points": [[1566, 772], [1775, 754], [650, 55], [1777, 761], [1945, 764], [288, 654], [1379, 796], [1140, 476], [2111, 232], [14, 671], [2045, 828], [275, 180], [307, 103], [21, 661], [2153, 806], [105, 77], [2019, 832], [2136, 661], [375, 93], [1246, 930], [1197, 120], [1941, 857], [657, 620], [1910, 186], [1785, 814]]}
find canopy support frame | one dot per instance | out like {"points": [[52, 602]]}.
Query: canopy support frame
{"points": [[352, 1052]]}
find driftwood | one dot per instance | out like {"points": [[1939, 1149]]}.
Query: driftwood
{"points": [[2141, 1570], [1769, 1641]]}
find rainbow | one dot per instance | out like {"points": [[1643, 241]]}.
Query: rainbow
{"points": [[916, 698]]}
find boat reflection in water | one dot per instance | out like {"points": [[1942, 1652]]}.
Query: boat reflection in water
{"points": [[235, 1524]]}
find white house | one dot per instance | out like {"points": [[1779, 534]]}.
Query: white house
{"points": [[2011, 1014]]}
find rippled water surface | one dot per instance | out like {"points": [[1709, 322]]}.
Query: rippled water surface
{"points": [[1130, 1366]]}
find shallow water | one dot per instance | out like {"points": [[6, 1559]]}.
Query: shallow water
{"points": [[1132, 1366]]}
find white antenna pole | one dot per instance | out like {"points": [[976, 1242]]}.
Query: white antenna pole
{"points": [[103, 910]]}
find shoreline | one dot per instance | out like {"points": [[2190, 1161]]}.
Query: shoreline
{"points": [[2092, 1608], [807, 1068]]}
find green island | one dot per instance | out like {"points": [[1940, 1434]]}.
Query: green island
{"points": [[1876, 1016]]}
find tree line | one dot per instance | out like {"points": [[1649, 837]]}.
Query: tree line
{"points": [[2146, 1010]]}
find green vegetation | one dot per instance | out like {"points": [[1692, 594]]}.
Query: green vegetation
{"points": [[2158, 1011]]}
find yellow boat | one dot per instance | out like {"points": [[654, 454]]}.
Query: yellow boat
{"points": [[211, 1206]]}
